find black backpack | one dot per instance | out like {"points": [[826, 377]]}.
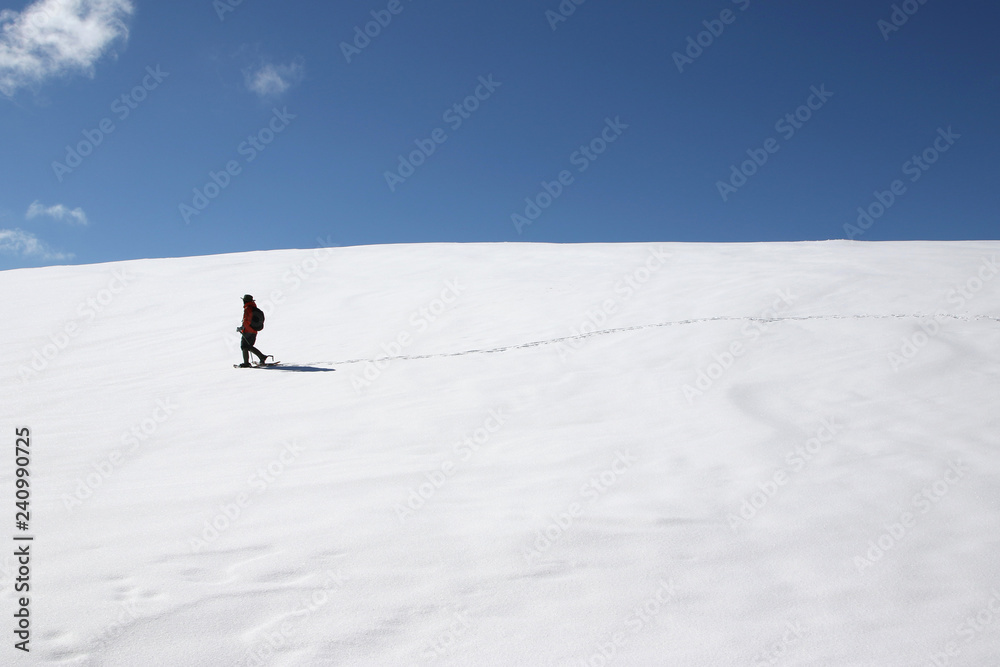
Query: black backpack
{"points": [[257, 319]]}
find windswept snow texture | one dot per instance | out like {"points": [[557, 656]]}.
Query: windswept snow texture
{"points": [[764, 454]]}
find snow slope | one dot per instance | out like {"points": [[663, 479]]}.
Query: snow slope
{"points": [[576, 455]]}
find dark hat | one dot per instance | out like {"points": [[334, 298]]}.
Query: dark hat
{"points": [[247, 298]]}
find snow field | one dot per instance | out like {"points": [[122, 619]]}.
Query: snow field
{"points": [[514, 454]]}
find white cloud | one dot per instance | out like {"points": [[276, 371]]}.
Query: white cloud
{"points": [[25, 244], [269, 80], [55, 37], [75, 216]]}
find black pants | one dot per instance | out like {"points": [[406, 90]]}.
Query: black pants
{"points": [[247, 346]]}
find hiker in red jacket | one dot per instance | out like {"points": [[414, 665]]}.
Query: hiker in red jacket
{"points": [[249, 333]]}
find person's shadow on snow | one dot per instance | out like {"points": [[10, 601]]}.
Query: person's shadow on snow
{"points": [[297, 369]]}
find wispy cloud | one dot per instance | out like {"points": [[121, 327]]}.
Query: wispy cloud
{"points": [[269, 80], [56, 37], [25, 244], [75, 216]]}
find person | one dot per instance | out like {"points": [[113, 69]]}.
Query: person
{"points": [[249, 333]]}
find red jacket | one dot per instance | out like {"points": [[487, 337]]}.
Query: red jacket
{"points": [[247, 314]]}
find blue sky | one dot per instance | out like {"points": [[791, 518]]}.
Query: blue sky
{"points": [[620, 121]]}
